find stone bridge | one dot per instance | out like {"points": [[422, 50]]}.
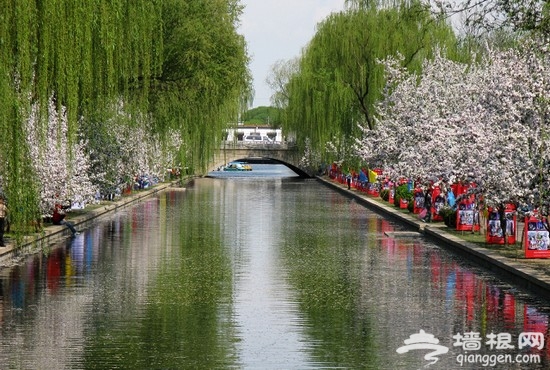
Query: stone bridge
{"points": [[283, 153]]}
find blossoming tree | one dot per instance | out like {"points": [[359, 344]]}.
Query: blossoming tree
{"points": [[62, 173], [486, 122], [120, 146]]}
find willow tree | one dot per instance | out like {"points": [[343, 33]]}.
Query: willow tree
{"points": [[486, 16], [78, 53], [205, 78], [340, 79], [175, 63]]}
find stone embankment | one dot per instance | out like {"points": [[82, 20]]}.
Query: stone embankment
{"points": [[532, 274]]}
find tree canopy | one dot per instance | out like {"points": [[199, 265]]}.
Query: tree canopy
{"points": [[174, 70], [205, 79], [339, 78], [486, 16], [486, 123], [262, 116], [80, 54]]}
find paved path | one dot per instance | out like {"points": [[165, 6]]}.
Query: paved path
{"points": [[533, 274]]}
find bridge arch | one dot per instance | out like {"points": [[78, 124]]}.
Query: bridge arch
{"points": [[282, 153], [267, 160]]}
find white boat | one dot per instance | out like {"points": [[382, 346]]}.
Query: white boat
{"points": [[237, 166]]}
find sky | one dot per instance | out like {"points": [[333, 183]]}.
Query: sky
{"points": [[278, 30]]}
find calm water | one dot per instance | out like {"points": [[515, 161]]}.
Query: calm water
{"points": [[257, 273]]}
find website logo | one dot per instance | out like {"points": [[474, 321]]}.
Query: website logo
{"points": [[424, 341], [488, 350]]}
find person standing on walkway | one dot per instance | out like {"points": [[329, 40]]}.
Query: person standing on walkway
{"points": [[428, 205], [3, 215], [503, 221]]}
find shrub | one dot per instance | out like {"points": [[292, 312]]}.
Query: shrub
{"points": [[449, 216], [385, 194], [402, 192]]}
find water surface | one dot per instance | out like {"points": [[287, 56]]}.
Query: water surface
{"points": [[261, 272]]}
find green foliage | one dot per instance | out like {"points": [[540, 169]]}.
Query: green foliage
{"points": [[81, 53], [204, 79], [385, 194], [449, 216], [104, 151], [181, 62], [519, 15], [263, 116], [340, 79], [402, 192]]}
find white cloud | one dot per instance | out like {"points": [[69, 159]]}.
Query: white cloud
{"points": [[279, 29]]}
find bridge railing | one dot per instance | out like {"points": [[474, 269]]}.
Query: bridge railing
{"points": [[278, 145]]}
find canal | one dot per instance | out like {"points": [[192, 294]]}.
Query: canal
{"points": [[261, 271]]}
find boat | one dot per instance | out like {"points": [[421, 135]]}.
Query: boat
{"points": [[237, 166]]}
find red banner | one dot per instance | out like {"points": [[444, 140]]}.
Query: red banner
{"points": [[536, 237], [438, 203], [494, 225], [465, 215]]}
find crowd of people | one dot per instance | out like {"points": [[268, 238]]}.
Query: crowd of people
{"points": [[461, 203]]}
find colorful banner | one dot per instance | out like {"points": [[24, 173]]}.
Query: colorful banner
{"points": [[465, 216], [494, 225], [418, 199], [373, 188], [536, 238], [438, 203], [373, 176], [363, 176]]}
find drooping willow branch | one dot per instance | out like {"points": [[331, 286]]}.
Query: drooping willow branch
{"points": [[181, 64]]}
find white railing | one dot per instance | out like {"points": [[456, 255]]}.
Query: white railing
{"points": [[278, 145]]}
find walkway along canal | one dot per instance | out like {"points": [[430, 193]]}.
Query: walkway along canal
{"points": [[259, 273]]}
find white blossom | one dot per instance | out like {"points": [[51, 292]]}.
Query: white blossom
{"points": [[487, 122], [62, 173]]}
